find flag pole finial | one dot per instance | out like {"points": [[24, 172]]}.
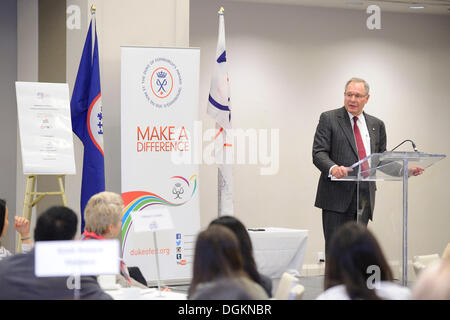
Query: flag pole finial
{"points": [[221, 11], [93, 9]]}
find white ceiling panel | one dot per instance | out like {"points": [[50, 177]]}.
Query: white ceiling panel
{"points": [[429, 6]]}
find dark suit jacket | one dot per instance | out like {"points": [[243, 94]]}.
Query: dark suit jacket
{"points": [[334, 143], [18, 282]]}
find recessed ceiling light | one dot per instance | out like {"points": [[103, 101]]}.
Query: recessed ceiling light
{"points": [[417, 7]]}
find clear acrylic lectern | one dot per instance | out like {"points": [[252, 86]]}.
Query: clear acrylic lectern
{"points": [[389, 166]]}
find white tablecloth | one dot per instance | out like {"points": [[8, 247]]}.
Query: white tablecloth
{"points": [[144, 294], [278, 250]]}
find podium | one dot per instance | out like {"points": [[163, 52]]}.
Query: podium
{"points": [[390, 166]]}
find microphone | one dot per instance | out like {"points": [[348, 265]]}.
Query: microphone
{"points": [[412, 142]]}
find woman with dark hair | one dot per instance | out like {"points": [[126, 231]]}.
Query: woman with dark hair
{"points": [[22, 226], [245, 243], [356, 268], [217, 257]]}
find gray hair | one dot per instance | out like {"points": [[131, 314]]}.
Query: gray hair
{"points": [[366, 85], [103, 209]]}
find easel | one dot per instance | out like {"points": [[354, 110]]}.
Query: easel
{"points": [[32, 198]]}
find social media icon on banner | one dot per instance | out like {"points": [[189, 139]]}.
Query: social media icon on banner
{"points": [[178, 242], [182, 262], [178, 235], [178, 249], [178, 256]]}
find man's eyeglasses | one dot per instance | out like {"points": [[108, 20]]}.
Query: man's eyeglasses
{"points": [[356, 95]]}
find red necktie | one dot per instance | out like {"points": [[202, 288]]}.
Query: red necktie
{"points": [[361, 149]]}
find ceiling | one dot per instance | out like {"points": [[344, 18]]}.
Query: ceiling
{"points": [[430, 6]]}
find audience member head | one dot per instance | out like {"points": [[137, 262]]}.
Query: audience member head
{"points": [[3, 217], [217, 255], [433, 283], [103, 214], [56, 223], [245, 244], [353, 249]]}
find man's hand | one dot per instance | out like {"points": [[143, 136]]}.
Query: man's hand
{"points": [[415, 170], [340, 172]]}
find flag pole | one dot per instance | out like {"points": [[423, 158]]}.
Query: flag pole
{"points": [[94, 27], [219, 177], [93, 11], [219, 107]]}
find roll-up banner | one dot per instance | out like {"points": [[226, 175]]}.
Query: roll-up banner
{"points": [[159, 110]]}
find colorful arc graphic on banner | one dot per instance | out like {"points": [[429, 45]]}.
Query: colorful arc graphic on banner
{"points": [[135, 201]]}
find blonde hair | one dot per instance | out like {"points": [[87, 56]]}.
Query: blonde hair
{"points": [[103, 209]]}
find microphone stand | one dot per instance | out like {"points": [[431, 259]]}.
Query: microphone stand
{"points": [[413, 145]]}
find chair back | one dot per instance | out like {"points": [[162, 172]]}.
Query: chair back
{"points": [[297, 292], [287, 283], [446, 253], [421, 262]]}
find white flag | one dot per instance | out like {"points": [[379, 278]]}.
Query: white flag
{"points": [[219, 107]]}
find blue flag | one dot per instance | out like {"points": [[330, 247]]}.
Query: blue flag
{"points": [[87, 121]]}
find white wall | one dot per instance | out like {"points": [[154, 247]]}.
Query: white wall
{"points": [[74, 46], [8, 111], [27, 70], [287, 64]]}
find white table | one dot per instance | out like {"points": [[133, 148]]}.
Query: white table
{"points": [[278, 250], [144, 294]]}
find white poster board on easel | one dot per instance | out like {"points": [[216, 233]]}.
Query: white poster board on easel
{"points": [[45, 128]]}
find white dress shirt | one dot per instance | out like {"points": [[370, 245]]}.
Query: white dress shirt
{"points": [[4, 253], [386, 290], [363, 130]]}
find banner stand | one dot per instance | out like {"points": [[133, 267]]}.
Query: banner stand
{"points": [[32, 198], [157, 264], [160, 125]]}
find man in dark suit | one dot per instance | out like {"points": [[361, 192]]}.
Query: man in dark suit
{"points": [[343, 137], [17, 277]]}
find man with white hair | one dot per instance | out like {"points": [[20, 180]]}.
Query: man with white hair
{"points": [[343, 137]]}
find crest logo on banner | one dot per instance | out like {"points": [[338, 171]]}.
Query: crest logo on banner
{"points": [[161, 82]]}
